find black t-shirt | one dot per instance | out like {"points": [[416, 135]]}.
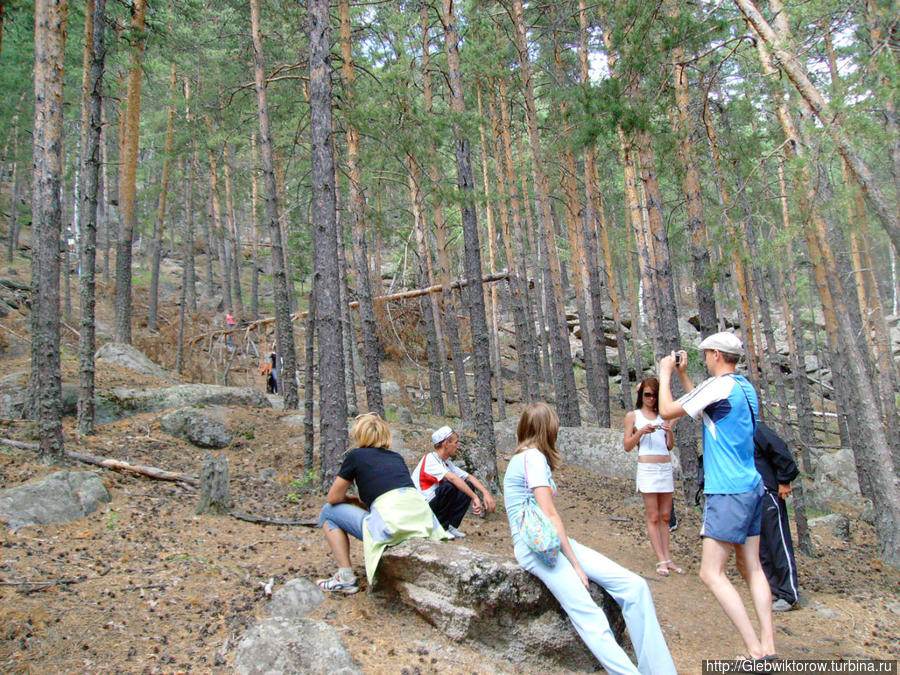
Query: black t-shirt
{"points": [[375, 471]]}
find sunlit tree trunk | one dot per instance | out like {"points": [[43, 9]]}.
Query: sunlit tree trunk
{"points": [[128, 174], [254, 216], [232, 233]]}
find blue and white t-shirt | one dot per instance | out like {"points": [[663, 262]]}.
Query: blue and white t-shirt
{"points": [[529, 463], [729, 406]]}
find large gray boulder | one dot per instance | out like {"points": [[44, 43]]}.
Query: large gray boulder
{"points": [[294, 600], [128, 356], [490, 601], [204, 427], [280, 646], [594, 448], [59, 498], [835, 483], [131, 401]]}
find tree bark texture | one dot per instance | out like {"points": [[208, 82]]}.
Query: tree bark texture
{"points": [[128, 175], [284, 331], [88, 234], [485, 459], [49, 39], [332, 401], [358, 214]]}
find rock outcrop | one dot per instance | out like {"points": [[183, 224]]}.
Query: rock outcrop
{"points": [[59, 498], [489, 600], [128, 356], [204, 427], [131, 401]]}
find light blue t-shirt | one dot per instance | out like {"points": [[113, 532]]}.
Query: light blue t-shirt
{"points": [[515, 489], [729, 407]]}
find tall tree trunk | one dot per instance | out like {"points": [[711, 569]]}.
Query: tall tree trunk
{"points": [[46, 208], [563, 374], [13, 242], [358, 213], [429, 302], [217, 231], [232, 233], [686, 132], [483, 456], [284, 332], [88, 238], [159, 225], [128, 157], [448, 302], [254, 215], [309, 401], [332, 401], [529, 363], [872, 452], [190, 267], [496, 365]]}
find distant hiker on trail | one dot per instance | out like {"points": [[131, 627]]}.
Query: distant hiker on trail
{"points": [[268, 368], [230, 323], [387, 511], [734, 490], [647, 431], [776, 550], [448, 489], [529, 476]]}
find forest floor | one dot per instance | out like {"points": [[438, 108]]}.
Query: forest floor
{"points": [[145, 585]]}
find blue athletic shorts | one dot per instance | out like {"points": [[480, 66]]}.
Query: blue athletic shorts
{"points": [[733, 518]]}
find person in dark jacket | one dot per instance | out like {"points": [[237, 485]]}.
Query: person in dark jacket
{"points": [[776, 551]]}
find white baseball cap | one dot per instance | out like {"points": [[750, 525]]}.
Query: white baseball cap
{"points": [[724, 342], [441, 435]]}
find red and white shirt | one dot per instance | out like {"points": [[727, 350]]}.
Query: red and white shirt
{"points": [[430, 473]]}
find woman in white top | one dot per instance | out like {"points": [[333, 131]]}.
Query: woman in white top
{"points": [[647, 431], [530, 473]]}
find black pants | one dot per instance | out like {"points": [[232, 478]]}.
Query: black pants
{"points": [[450, 504], [776, 550]]}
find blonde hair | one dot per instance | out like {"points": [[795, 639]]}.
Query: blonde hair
{"points": [[538, 428], [370, 431]]}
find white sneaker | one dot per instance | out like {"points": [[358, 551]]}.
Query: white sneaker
{"points": [[455, 533]]}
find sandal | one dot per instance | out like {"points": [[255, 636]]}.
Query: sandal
{"points": [[672, 566], [662, 568]]}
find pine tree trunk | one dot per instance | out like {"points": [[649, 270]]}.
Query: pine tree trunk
{"points": [[128, 158], [309, 401], [496, 365], [254, 215], [529, 364], [217, 231], [159, 224], [49, 53], [232, 234], [88, 238], [428, 303], [284, 332], [347, 333], [563, 374], [189, 260], [483, 457], [332, 400], [374, 398]]}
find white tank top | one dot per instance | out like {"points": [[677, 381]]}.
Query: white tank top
{"points": [[651, 444]]}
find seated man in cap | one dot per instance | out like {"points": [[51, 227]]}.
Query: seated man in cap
{"points": [[448, 489]]}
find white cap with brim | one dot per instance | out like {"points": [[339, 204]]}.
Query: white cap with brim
{"points": [[441, 435], [724, 342]]}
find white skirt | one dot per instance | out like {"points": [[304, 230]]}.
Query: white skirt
{"points": [[655, 477]]}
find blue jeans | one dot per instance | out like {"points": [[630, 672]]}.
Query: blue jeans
{"points": [[628, 589], [346, 517]]}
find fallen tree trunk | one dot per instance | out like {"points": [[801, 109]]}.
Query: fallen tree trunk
{"points": [[114, 464], [403, 295]]}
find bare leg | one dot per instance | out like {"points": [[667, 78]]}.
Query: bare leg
{"points": [[664, 508], [340, 545], [712, 573], [651, 505], [752, 571]]}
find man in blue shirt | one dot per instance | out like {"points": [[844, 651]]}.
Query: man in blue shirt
{"points": [[734, 490]]}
